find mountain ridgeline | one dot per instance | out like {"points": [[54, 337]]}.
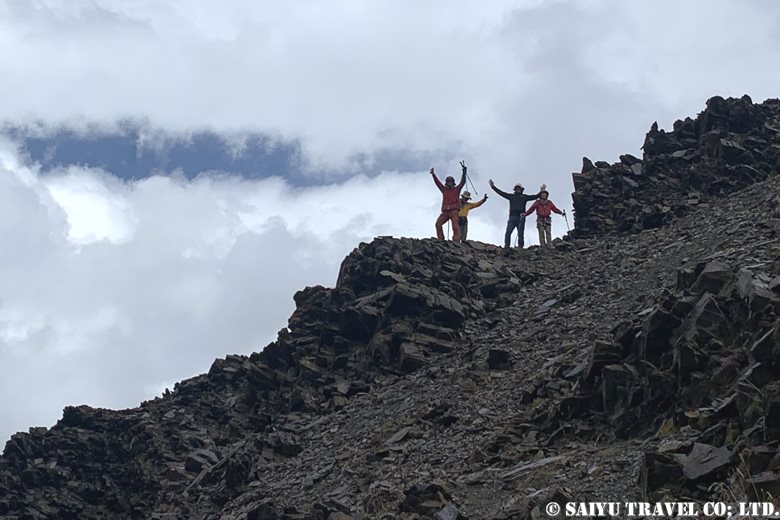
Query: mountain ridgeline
{"points": [[638, 358]]}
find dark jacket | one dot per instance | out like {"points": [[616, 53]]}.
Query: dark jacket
{"points": [[517, 201]]}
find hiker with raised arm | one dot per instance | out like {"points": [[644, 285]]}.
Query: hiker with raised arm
{"points": [[463, 214], [543, 207], [450, 203], [517, 203]]}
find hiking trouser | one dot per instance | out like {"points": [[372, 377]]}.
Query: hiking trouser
{"points": [[544, 226], [452, 216], [463, 224], [518, 222]]}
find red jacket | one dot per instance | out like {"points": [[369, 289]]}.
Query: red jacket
{"points": [[450, 196], [543, 207]]}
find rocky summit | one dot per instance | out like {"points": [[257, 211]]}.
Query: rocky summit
{"points": [[638, 358], [732, 144]]}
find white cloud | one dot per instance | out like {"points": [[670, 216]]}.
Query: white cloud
{"points": [[349, 77], [96, 206], [113, 288]]}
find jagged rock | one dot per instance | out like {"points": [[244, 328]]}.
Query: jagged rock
{"points": [[398, 436], [659, 470], [602, 353], [382, 499], [498, 359], [440, 415], [758, 458], [411, 357], [714, 278], [587, 165], [618, 387], [283, 443], [450, 512], [762, 299], [264, 510], [656, 336], [426, 499], [767, 347], [706, 462], [629, 160], [726, 147], [330, 510], [762, 485], [772, 413], [200, 459]]}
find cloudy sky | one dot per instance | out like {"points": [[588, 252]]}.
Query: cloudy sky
{"points": [[172, 172]]}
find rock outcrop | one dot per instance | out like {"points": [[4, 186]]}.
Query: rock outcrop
{"points": [[397, 306], [731, 144], [452, 380], [698, 369]]}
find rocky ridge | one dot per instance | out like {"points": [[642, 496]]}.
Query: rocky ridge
{"points": [[444, 380], [731, 144]]}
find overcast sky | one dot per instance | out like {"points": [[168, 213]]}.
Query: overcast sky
{"points": [[112, 289]]}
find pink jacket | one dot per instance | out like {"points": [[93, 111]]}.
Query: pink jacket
{"points": [[543, 207]]}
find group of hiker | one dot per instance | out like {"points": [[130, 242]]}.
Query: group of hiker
{"points": [[455, 209]]}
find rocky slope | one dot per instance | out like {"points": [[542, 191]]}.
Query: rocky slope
{"points": [[445, 380]]}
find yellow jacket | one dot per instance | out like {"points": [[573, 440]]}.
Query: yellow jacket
{"points": [[468, 206]]}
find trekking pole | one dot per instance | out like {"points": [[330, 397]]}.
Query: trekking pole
{"points": [[574, 244], [468, 178]]}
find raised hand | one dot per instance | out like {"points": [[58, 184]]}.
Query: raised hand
{"points": [[491, 183], [432, 171], [463, 166]]}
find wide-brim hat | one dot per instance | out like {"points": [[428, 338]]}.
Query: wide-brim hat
{"points": [[466, 195]]}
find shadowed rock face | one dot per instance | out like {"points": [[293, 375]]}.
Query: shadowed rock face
{"points": [[397, 306], [731, 144], [448, 380]]}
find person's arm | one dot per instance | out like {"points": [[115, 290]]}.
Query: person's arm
{"points": [[505, 195], [542, 188], [530, 210], [462, 175], [529, 198], [462, 179], [554, 208], [437, 181], [478, 204]]}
